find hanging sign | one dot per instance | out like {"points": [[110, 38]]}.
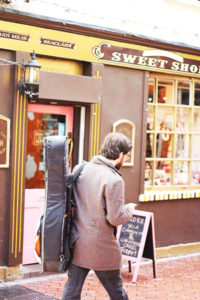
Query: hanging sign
{"points": [[14, 36], [137, 240], [4, 141]]}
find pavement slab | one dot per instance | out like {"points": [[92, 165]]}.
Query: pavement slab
{"points": [[178, 278], [18, 292]]}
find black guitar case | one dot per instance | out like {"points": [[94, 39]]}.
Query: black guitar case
{"points": [[55, 221]]}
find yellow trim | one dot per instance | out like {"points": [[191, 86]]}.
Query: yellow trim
{"points": [[22, 175], [15, 165], [169, 195], [18, 176], [98, 127], [92, 125], [95, 129], [83, 45]]}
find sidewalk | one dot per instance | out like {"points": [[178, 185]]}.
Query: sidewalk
{"points": [[177, 279]]}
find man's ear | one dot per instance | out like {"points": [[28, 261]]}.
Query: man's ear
{"points": [[121, 155]]}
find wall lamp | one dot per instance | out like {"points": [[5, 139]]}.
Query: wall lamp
{"points": [[29, 82]]}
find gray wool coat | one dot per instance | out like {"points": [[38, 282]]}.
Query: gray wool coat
{"points": [[99, 196]]}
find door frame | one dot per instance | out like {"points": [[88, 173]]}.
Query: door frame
{"points": [[67, 111], [52, 109]]}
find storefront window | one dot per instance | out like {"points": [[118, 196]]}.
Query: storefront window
{"points": [[163, 173], [165, 92], [181, 173], [182, 119], [184, 88], [196, 121], [197, 94], [173, 134], [151, 96]]}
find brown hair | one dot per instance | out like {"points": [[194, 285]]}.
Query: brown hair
{"points": [[115, 143]]}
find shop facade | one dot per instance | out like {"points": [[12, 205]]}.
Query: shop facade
{"points": [[91, 83]]}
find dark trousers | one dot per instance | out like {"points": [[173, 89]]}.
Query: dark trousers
{"points": [[111, 280]]}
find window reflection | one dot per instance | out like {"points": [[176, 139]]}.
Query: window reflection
{"points": [[183, 93], [164, 119], [182, 119], [151, 91], [165, 92], [182, 146], [197, 94], [149, 142], [150, 118], [196, 122], [196, 147]]}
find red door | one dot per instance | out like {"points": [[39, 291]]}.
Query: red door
{"points": [[43, 120]]}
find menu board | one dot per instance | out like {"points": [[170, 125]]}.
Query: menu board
{"points": [[131, 236], [137, 240]]}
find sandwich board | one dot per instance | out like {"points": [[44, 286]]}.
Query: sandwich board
{"points": [[137, 240]]}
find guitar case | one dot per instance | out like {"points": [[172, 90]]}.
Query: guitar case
{"points": [[54, 221]]}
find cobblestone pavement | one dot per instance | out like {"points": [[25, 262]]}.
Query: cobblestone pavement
{"points": [[177, 279]]}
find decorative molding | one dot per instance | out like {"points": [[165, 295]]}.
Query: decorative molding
{"points": [[4, 141], [128, 129], [168, 195]]}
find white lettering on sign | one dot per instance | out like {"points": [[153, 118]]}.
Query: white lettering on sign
{"points": [[56, 43], [139, 60], [14, 36], [158, 59]]}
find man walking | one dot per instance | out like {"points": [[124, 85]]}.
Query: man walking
{"points": [[99, 196]]}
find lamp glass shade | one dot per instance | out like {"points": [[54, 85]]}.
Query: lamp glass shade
{"points": [[32, 69], [32, 75]]}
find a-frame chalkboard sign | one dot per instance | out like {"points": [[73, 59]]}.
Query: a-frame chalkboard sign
{"points": [[137, 240]]}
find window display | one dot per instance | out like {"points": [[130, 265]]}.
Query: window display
{"points": [[173, 134], [182, 143], [182, 119], [163, 173], [181, 173]]}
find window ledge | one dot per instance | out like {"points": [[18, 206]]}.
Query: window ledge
{"points": [[168, 195]]}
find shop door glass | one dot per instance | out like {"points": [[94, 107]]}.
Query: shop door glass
{"points": [[43, 121]]}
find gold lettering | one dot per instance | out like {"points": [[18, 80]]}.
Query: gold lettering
{"points": [[1, 143]]}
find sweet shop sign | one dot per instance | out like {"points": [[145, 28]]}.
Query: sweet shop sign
{"points": [[149, 59]]}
